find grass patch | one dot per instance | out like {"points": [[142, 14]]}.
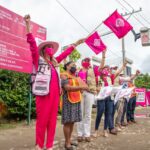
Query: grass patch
{"points": [[7, 126]]}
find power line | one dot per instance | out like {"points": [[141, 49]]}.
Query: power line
{"points": [[139, 14], [72, 16], [81, 24], [129, 11], [115, 54]]}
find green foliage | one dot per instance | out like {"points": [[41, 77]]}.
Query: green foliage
{"points": [[75, 55], [61, 66], [143, 81], [14, 92]]}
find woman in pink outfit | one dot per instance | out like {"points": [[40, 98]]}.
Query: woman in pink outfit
{"points": [[47, 105]]}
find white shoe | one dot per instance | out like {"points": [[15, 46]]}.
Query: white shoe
{"points": [[119, 129], [37, 147], [49, 149]]}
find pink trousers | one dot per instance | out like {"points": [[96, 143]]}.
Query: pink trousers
{"points": [[47, 109]]}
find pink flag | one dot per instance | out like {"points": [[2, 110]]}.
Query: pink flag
{"points": [[95, 43], [118, 24]]}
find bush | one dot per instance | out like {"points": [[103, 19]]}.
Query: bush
{"points": [[14, 92]]}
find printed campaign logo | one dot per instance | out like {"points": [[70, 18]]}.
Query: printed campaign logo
{"points": [[97, 42], [120, 22]]}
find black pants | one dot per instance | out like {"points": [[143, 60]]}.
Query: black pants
{"points": [[131, 109]]}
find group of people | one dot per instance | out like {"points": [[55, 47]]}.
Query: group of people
{"points": [[78, 88]]}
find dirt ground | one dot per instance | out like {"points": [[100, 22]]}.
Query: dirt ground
{"points": [[134, 137]]}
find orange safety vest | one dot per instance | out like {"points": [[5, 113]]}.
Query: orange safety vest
{"points": [[75, 96]]}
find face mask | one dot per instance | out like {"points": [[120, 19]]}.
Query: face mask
{"points": [[49, 51], [73, 70], [86, 64], [105, 72]]}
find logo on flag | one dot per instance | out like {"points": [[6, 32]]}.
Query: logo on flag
{"points": [[118, 24], [95, 43]]}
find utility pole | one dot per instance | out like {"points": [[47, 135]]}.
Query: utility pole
{"points": [[123, 39]]}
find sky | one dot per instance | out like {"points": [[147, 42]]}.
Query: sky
{"points": [[63, 28]]}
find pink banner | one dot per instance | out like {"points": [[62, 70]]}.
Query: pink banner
{"points": [[141, 97], [14, 50], [95, 43], [118, 24], [148, 97]]}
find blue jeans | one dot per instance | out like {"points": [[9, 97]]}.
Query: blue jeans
{"points": [[109, 110], [100, 111], [105, 107], [131, 109]]}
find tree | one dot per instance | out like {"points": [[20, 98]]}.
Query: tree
{"points": [[14, 93], [143, 81], [75, 55]]}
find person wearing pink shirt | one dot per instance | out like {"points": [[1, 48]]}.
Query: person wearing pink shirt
{"points": [[106, 105], [46, 105], [90, 76]]}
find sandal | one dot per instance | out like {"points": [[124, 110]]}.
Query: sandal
{"points": [[95, 135]]}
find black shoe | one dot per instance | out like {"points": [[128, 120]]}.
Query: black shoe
{"points": [[133, 121], [74, 144], [113, 131], [68, 148]]}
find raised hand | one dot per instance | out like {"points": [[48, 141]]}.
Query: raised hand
{"points": [[138, 72], [125, 62], [27, 18], [80, 41], [27, 21]]}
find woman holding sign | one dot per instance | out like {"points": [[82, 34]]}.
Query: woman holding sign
{"points": [[46, 86]]}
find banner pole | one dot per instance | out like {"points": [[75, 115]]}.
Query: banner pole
{"points": [[29, 102]]}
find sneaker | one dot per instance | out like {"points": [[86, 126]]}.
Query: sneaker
{"points": [[87, 139], [118, 129], [37, 147], [49, 149], [113, 131]]}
